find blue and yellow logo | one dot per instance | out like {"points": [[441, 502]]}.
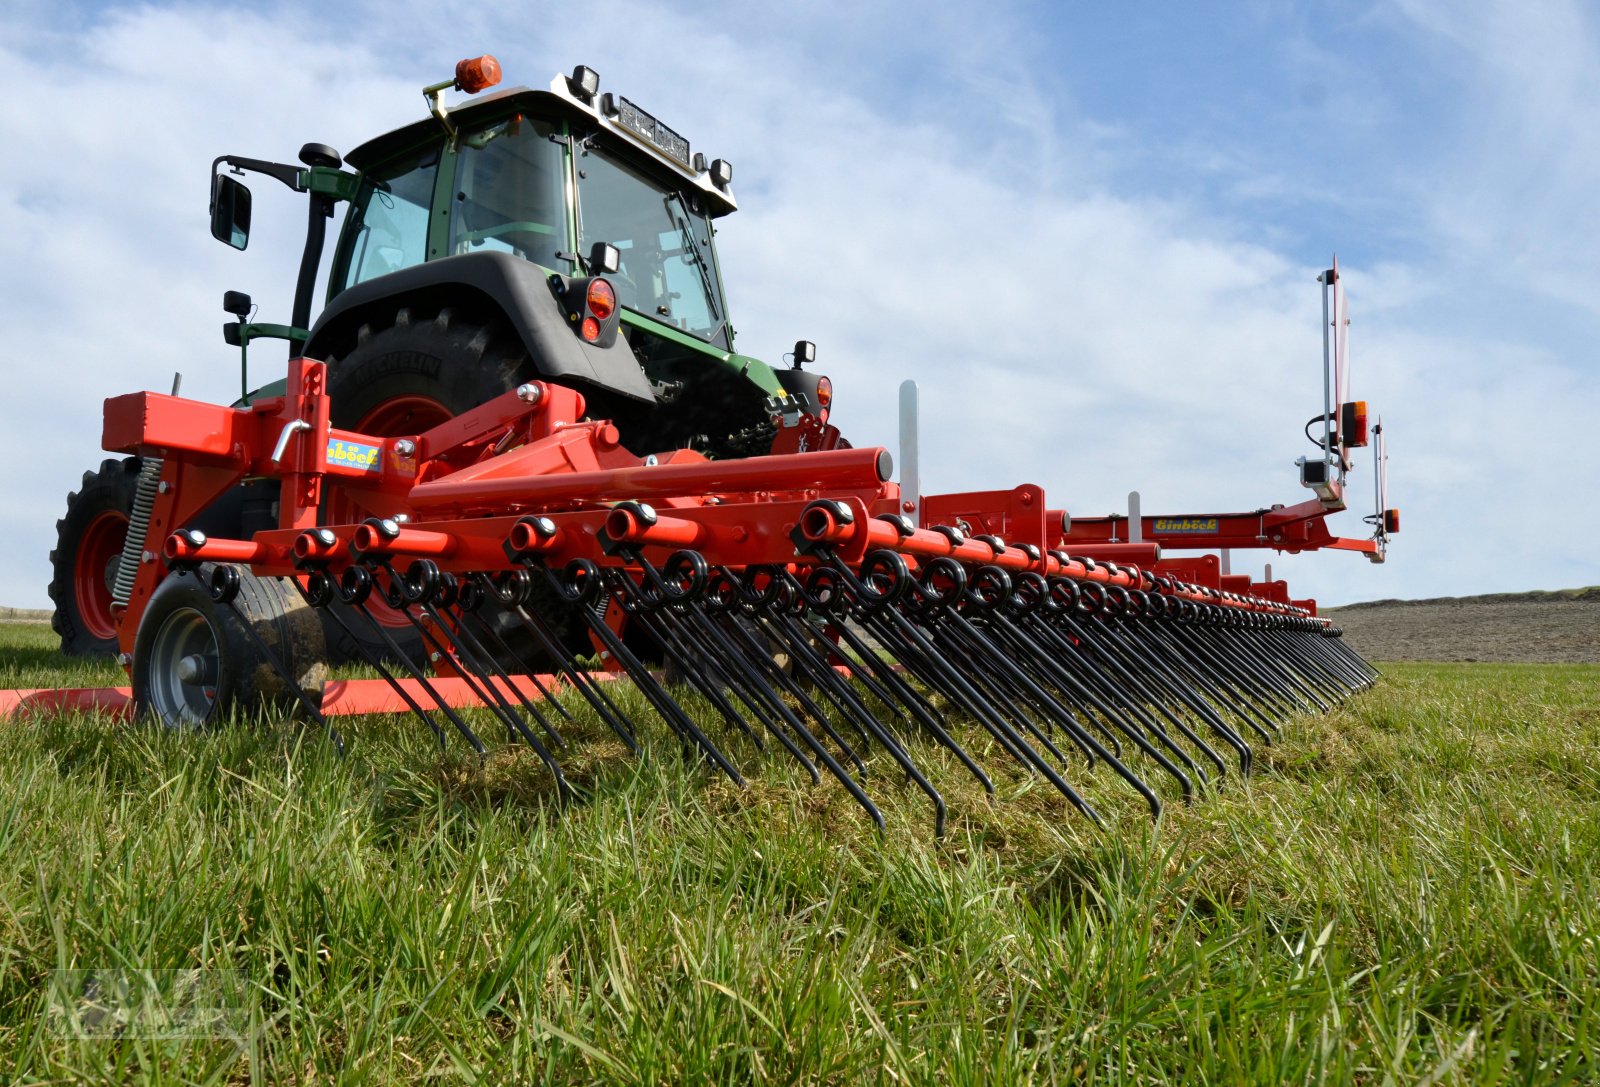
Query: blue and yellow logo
{"points": [[354, 455], [1185, 524]]}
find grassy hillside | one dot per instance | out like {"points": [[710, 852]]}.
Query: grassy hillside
{"points": [[1407, 891]]}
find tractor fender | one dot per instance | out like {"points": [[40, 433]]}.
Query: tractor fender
{"points": [[485, 282]]}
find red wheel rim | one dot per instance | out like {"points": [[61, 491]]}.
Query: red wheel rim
{"points": [[93, 570], [397, 415], [403, 415]]}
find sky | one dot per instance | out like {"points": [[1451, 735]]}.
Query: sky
{"points": [[1090, 233]]}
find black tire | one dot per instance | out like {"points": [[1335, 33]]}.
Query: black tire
{"points": [[84, 562], [445, 363], [457, 363], [195, 662]]}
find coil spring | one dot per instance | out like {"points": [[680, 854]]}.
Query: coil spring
{"points": [[144, 500]]}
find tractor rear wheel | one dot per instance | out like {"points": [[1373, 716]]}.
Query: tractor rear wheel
{"points": [[195, 661], [403, 378], [83, 565]]}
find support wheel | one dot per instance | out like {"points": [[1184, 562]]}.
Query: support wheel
{"points": [[195, 662], [83, 565]]}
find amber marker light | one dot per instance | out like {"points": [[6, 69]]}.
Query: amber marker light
{"points": [[1353, 425], [477, 73]]}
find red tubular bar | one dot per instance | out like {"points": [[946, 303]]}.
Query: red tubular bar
{"points": [[1140, 554], [179, 547], [832, 470], [525, 537], [428, 543], [412, 541], [626, 524], [819, 524]]}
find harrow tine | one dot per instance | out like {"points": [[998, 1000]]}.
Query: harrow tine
{"points": [[1034, 668], [475, 628], [1112, 700], [831, 688], [422, 587], [580, 583], [473, 597], [800, 646], [752, 678], [1168, 640], [495, 675], [1186, 683], [512, 593], [354, 587], [319, 593], [910, 644], [878, 674], [1050, 653], [1241, 673], [1123, 635]]}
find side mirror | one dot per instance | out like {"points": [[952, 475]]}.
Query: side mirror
{"points": [[230, 211]]}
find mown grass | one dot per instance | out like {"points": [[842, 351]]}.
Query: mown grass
{"points": [[1408, 891]]}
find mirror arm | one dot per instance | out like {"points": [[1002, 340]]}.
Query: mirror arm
{"points": [[292, 176]]}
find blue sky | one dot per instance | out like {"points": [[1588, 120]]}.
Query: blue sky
{"points": [[1090, 234]]}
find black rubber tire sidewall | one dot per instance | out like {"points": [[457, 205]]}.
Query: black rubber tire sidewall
{"points": [[457, 362], [111, 487], [247, 682]]}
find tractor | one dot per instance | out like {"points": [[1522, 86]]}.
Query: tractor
{"points": [[465, 267]]}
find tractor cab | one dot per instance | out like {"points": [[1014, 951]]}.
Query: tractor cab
{"points": [[493, 208], [546, 178]]}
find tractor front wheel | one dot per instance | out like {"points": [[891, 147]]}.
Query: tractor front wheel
{"points": [[83, 565], [195, 659]]}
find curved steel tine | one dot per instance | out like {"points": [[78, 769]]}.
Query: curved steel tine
{"points": [[444, 640]]}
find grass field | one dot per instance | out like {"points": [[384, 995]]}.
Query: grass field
{"points": [[1408, 891]]}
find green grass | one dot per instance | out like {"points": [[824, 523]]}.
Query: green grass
{"points": [[1408, 891]]}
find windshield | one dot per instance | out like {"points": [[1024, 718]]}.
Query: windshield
{"points": [[388, 227], [664, 239]]}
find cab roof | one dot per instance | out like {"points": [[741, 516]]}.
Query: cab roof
{"points": [[555, 104]]}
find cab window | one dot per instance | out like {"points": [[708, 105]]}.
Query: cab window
{"points": [[388, 229], [509, 193]]}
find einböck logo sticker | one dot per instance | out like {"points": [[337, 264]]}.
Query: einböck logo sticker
{"points": [[354, 455], [1186, 524]]}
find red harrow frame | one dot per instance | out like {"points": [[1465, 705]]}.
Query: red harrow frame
{"points": [[791, 594]]}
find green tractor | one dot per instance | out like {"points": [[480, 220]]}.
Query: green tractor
{"points": [[484, 245]]}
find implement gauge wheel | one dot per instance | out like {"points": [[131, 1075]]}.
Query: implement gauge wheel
{"points": [[194, 661], [83, 565]]}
